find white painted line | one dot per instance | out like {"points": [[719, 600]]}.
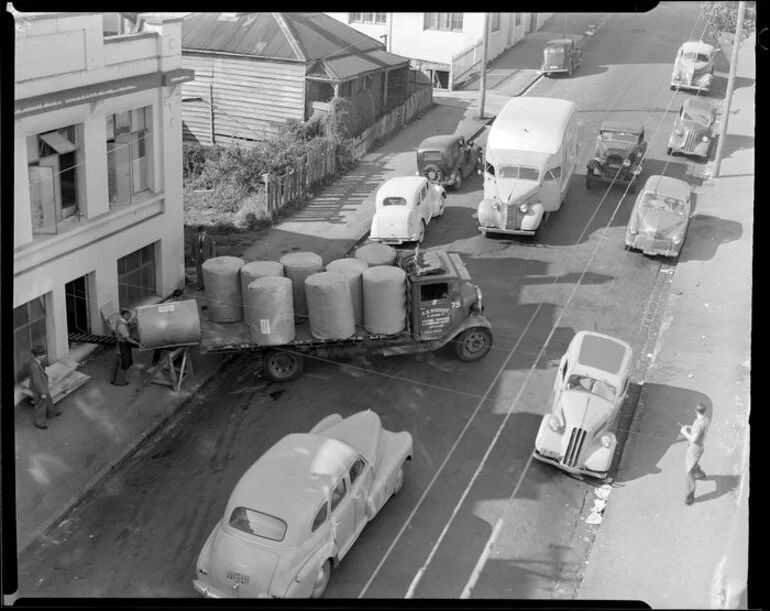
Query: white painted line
{"points": [[449, 454], [466, 593]]}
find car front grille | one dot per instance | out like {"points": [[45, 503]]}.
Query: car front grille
{"points": [[576, 440], [690, 141]]}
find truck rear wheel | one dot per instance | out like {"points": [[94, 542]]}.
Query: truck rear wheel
{"points": [[473, 344], [282, 365]]}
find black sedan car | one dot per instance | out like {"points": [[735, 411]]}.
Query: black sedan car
{"points": [[618, 154]]}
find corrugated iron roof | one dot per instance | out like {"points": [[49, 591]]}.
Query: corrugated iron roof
{"points": [[321, 36], [255, 34], [349, 66], [328, 46]]}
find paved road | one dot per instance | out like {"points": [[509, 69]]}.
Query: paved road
{"points": [[473, 424]]}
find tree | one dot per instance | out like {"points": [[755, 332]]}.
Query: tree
{"points": [[723, 17]]}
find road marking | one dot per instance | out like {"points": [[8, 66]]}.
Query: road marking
{"points": [[466, 593], [407, 523]]}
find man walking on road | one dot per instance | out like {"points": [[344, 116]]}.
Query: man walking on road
{"points": [[203, 248], [38, 384], [696, 435]]}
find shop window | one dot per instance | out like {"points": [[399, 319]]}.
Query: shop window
{"points": [[55, 161], [451, 22], [129, 155], [136, 276], [29, 330]]}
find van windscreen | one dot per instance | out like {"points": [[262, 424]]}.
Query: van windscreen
{"points": [[521, 172]]}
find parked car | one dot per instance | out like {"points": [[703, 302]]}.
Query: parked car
{"points": [[578, 433], [561, 55], [693, 129], [661, 214], [447, 160], [298, 510], [694, 66], [618, 154], [403, 208]]}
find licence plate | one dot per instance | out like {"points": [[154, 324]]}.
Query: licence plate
{"points": [[237, 577]]}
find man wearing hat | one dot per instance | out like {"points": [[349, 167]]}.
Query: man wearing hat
{"points": [[696, 435], [38, 384], [123, 357], [203, 248]]}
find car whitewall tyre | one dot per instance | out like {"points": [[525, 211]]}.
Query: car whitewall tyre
{"points": [[399, 480]]}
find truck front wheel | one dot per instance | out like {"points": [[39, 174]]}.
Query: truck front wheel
{"points": [[282, 365], [473, 344]]}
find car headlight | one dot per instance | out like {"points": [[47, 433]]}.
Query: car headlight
{"points": [[554, 424], [627, 162], [677, 238], [705, 138], [524, 207], [677, 77], [606, 441], [478, 305], [678, 131]]}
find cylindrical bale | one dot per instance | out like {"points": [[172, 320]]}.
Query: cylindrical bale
{"points": [[271, 302], [384, 299], [297, 266], [253, 270], [221, 276], [377, 254], [168, 324], [329, 306], [352, 269]]}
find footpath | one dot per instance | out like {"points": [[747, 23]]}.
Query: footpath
{"points": [[102, 425], [651, 546]]}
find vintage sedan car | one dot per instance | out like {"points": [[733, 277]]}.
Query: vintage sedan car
{"points": [[693, 130], [447, 160], [561, 55], [298, 510], [694, 66], [578, 433], [618, 154], [659, 219], [404, 206]]}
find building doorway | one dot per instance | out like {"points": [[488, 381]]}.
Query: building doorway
{"points": [[76, 293]]}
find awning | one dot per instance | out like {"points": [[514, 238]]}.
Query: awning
{"points": [[58, 142]]}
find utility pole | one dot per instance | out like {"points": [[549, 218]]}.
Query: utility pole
{"points": [[730, 85], [484, 67]]}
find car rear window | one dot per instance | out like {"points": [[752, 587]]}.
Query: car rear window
{"points": [[394, 201], [695, 57], [432, 155], [257, 523]]}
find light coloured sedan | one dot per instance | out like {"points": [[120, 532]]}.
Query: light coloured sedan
{"points": [[694, 66], [403, 208], [298, 510], [692, 134], [577, 435], [661, 214]]}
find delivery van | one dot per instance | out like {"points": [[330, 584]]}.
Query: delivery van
{"points": [[530, 158]]}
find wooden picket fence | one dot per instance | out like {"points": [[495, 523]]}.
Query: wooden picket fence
{"points": [[320, 162], [466, 64]]}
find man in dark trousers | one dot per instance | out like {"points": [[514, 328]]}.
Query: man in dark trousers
{"points": [[38, 384], [696, 435], [123, 357], [203, 248]]}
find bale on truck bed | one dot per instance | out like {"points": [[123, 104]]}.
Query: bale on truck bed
{"points": [[440, 305]]}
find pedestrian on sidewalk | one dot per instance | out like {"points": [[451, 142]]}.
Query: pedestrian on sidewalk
{"points": [[123, 357], [696, 435], [41, 394], [203, 248]]}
